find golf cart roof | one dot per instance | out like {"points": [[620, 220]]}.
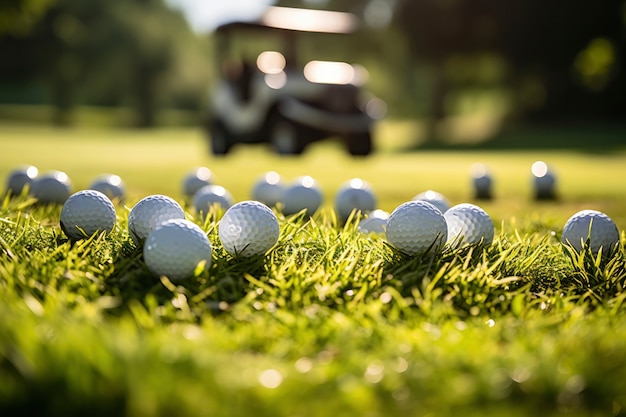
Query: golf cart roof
{"points": [[300, 20]]}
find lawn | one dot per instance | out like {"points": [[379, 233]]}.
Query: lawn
{"points": [[330, 321]]}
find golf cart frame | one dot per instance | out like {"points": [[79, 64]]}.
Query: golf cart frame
{"points": [[279, 101]]}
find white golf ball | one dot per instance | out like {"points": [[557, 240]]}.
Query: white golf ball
{"points": [[415, 226], [302, 194], [52, 187], [175, 248], [21, 177], [593, 226], [544, 180], [248, 228], [209, 195], [481, 181], [150, 212], [268, 189], [196, 179], [87, 212], [468, 224], [355, 194], [435, 198], [374, 222], [110, 185]]}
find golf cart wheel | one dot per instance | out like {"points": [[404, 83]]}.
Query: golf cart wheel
{"points": [[221, 140], [285, 138], [359, 144]]}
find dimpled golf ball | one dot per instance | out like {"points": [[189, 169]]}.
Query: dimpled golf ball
{"points": [[176, 248], [52, 187], [209, 195], [110, 185], [20, 178], [374, 222], [85, 213], [468, 224], [150, 212], [268, 189], [248, 228], [302, 194], [354, 195], [435, 198], [415, 227], [196, 179], [594, 226]]}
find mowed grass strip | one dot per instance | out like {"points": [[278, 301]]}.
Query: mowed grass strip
{"points": [[330, 321]]}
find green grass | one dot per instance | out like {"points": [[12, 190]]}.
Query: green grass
{"points": [[329, 322]]}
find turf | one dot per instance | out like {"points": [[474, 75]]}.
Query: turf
{"points": [[330, 321]]}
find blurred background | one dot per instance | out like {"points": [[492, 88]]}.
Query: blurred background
{"points": [[449, 71]]}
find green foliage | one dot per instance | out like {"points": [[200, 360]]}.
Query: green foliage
{"points": [[329, 321]]}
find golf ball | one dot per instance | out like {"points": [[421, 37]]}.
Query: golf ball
{"points": [[209, 195], [593, 227], [196, 179], [355, 194], [21, 177], [150, 212], [268, 189], [176, 248], [87, 212], [52, 187], [544, 181], [302, 194], [374, 222], [468, 224], [482, 182], [435, 198], [110, 185], [248, 228], [415, 227]]}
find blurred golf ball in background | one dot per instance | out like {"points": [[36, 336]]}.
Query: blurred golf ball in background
{"points": [[355, 194], [209, 195], [591, 226], [248, 228], [110, 185], [481, 182], [53, 187], [416, 226], [374, 222], [435, 198], [20, 178], [268, 189], [468, 224], [149, 212], [87, 212], [544, 181], [196, 179], [176, 248], [302, 194]]}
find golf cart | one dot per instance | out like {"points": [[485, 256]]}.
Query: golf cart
{"points": [[273, 99]]}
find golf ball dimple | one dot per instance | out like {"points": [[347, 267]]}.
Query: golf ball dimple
{"points": [[468, 224], [196, 179], [150, 212], [52, 187], [209, 195], [415, 227], [175, 248], [590, 226], [248, 228], [87, 212], [435, 198], [302, 194], [20, 178], [355, 194], [374, 222], [268, 189], [110, 185]]}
